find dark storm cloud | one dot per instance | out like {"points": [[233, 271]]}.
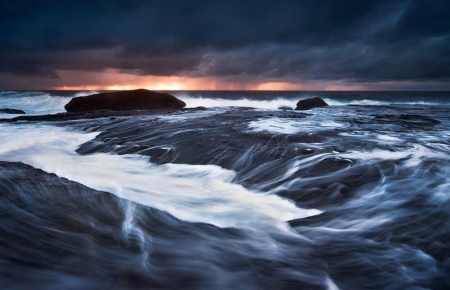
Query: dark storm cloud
{"points": [[352, 40]]}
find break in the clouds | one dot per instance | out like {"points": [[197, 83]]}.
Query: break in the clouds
{"points": [[342, 41]]}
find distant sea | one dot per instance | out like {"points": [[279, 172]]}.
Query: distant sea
{"points": [[45, 102], [238, 192]]}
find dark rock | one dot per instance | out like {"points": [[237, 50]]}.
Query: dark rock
{"points": [[11, 111], [405, 120], [195, 109], [310, 103], [125, 101], [85, 115], [285, 108]]}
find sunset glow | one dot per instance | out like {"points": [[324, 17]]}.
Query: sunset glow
{"points": [[115, 80]]}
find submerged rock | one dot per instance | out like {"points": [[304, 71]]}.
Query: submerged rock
{"points": [[11, 111], [125, 101], [310, 103]]}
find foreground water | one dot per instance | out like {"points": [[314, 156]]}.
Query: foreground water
{"points": [[353, 196]]}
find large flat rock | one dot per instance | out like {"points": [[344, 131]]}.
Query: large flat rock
{"points": [[124, 101]]}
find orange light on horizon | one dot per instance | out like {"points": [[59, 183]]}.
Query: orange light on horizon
{"points": [[114, 80], [279, 86], [80, 88], [190, 84], [182, 87]]}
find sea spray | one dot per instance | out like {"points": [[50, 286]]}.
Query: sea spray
{"points": [[33, 103]]}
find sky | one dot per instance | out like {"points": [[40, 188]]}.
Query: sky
{"points": [[225, 45]]}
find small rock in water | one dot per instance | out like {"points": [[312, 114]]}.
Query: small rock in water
{"points": [[11, 111], [285, 108], [200, 108], [310, 103]]}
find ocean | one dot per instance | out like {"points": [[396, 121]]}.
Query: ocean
{"points": [[239, 191]]}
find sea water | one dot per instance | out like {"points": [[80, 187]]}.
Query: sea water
{"points": [[240, 194]]}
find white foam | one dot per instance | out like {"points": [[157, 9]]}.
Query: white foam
{"points": [[270, 104], [196, 193], [412, 157], [385, 137], [369, 102], [291, 126], [275, 125]]}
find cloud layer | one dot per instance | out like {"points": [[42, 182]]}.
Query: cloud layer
{"points": [[349, 41]]}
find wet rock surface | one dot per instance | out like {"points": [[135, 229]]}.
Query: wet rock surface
{"points": [[379, 174], [57, 233]]}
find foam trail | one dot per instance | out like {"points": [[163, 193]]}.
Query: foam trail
{"points": [[291, 126], [330, 284], [196, 193], [272, 104]]}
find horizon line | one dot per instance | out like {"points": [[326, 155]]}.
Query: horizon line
{"points": [[223, 90]]}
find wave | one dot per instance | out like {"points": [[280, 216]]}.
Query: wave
{"points": [[50, 102], [272, 104], [196, 193], [33, 103], [384, 102], [280, 102]]}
